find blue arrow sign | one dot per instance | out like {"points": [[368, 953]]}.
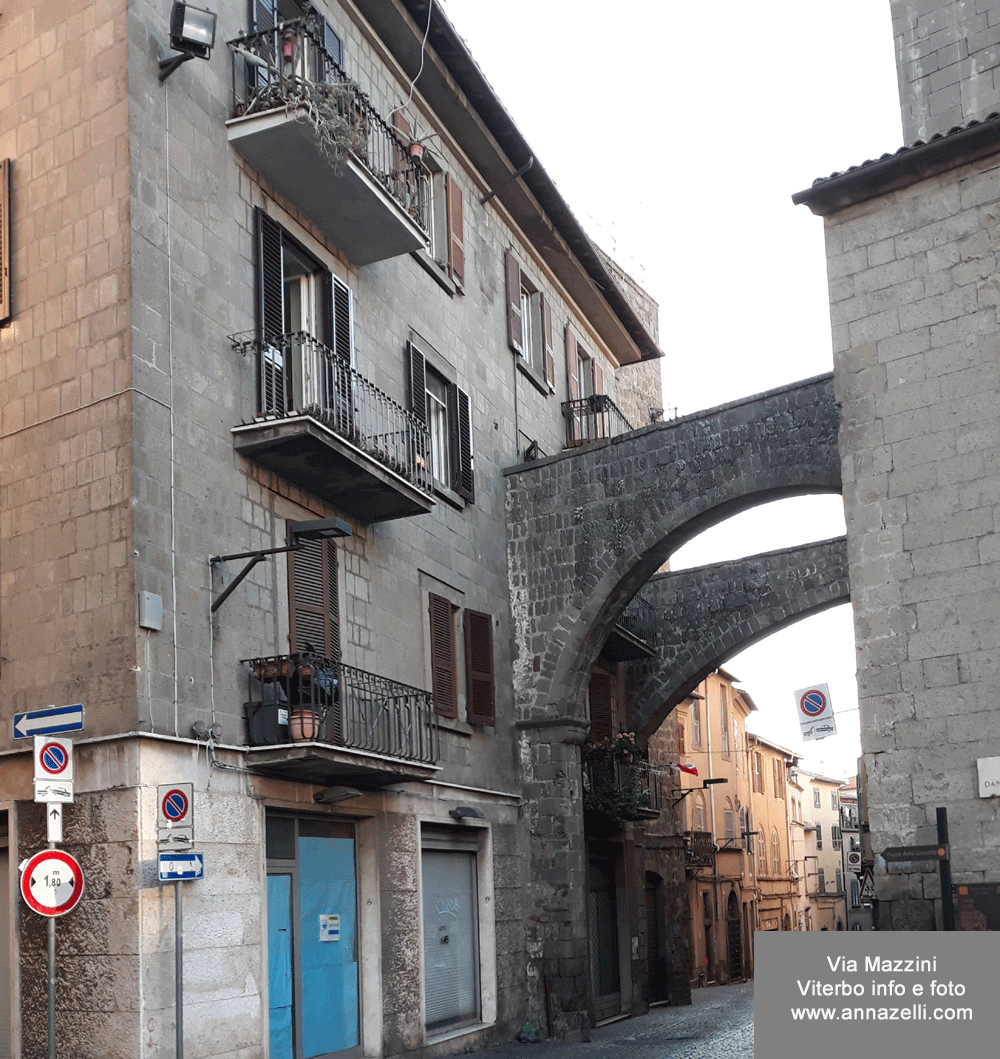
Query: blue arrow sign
{"points": [[178, 867], [53, 720]]}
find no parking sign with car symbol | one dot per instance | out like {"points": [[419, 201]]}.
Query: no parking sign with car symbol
{"points": [[815, 712], [175, 815]]}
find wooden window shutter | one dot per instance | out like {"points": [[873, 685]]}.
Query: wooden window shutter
{"points": [[600, 706], [514, 323], [270, 288], [572, 366], [418, 382], [5, 226], [550, 350], [601, 422], [263, 15], [464, 483], [343, 321], [479, 676], [444, 686], [313, 599], [456, 237]]}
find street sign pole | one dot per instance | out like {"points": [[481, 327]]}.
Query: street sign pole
{"points": [[178, 963], [51, 971], [947, 898]]}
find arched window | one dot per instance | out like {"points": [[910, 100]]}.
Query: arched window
{"points": [[775, 852], [699, 812]]}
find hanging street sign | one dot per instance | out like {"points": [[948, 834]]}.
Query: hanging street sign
{"points": [[180, 867], [51, 882], [53, 720], [53, 758], [175, 815], [53, 822], [815, 712]]}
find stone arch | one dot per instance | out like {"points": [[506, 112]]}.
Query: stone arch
{"points": [[708, 614], [588, 527]]}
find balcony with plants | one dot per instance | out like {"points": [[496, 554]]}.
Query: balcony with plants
{"points": [[315, 720], [619, 785], [322, 425], [317, 138]]}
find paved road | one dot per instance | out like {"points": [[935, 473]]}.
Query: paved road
{"points": [[717, 1025]]}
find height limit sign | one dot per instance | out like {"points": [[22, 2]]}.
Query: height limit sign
{"points": [[175, 815]]}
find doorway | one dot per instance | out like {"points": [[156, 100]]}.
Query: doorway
{"points": [[605, 971], [734, 928], [312, 935]]}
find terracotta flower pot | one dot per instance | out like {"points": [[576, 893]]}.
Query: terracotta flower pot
{"points": [[303, 726]]}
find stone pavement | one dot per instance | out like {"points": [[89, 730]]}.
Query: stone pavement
{"points": [[717, 1025]]}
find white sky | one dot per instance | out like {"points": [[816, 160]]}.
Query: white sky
{"points": [[677, 133]]}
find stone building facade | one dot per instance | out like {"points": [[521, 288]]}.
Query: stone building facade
{"points": [[913, 281], [252, 458]]}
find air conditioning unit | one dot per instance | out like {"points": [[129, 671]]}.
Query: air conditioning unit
{"points": [[854, 860]]}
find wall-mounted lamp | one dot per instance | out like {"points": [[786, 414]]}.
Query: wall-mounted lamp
{"points": [[704, 784], [317, 529], [466, 812], [192, 33], [330, 795]]}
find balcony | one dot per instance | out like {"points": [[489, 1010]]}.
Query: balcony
{"points": [[616, 792], [634, 634], [317, 721], [593, 418], [316, 138], [325, 427]]}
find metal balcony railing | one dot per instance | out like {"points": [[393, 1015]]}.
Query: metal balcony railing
{"points": [[627, 791], [353, 709], [593, 419], [639, 619], [288, 68], [298, 375]]}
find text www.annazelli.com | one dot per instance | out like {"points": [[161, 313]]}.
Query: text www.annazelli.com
{"points": [[914, 1013]]}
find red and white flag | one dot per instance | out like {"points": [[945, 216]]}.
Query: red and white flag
{"points": [[682, 767]]}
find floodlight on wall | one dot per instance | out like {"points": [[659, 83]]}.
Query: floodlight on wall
{"points": [[192, 33], [332, 795], [466, 812], [319, 529]]}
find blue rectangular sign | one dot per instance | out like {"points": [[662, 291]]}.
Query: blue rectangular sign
{"points": [[178, 867], [53, 720]]}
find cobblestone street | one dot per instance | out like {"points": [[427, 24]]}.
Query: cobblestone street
{"points": [[717, 1025]]}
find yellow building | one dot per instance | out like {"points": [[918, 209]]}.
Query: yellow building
{"points": [[777, 890], [826, 907], [715, 819]]}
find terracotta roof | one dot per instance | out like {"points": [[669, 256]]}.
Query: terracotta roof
{"points": [[893, 171]]}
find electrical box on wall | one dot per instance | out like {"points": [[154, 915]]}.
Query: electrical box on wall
{"points": [[150, 611]]}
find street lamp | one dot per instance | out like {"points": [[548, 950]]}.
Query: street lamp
{"points": [[192, 33]]}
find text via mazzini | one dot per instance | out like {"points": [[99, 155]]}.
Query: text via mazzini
{"points": [[920, 991], [892, 1000]]}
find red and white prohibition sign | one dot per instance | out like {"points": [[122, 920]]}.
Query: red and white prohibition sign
{"points": [[51, 882]]}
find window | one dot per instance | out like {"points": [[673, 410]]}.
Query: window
{"points": [[730, 826], [445, 215], [736, 743], [821, 882], [5, 240], [724, 705], [758, 772], [819, 836], [599, 695], [840, 880], [681, 737], [444, 409], [761, 859], [529, 325], [584, 379], [314, 620], [444, 666], [835, 836], [699, 813], [855, 894], [834, 801], [779, 778], [775, 852], [817, 796], [305, 329], [696, 724]]}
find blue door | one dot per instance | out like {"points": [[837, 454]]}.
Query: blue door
{"points": [[312, 939]]}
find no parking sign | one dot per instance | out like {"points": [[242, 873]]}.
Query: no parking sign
{"points": [[815, 712], [175, 815]]}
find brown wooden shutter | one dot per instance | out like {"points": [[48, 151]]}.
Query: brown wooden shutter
{"points": [[5, 226], [550, 349], [418, 382], [600, 706], [514, 324], [465, 484], [270, 289], [574, 419], [444, 685], [599, 417], [479, 677], [313, 600], [456, 237]]}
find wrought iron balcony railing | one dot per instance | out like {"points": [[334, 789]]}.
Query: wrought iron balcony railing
{"points": [[621, 791], [593, 419], [699, 849], [298, 375], [347, 707], [288, 68], [639, 618]]}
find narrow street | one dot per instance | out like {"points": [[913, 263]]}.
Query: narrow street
{"points": [[717, 1025]]}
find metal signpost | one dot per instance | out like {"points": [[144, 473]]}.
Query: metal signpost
{"points": [[175, 834], [939, 852]]}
